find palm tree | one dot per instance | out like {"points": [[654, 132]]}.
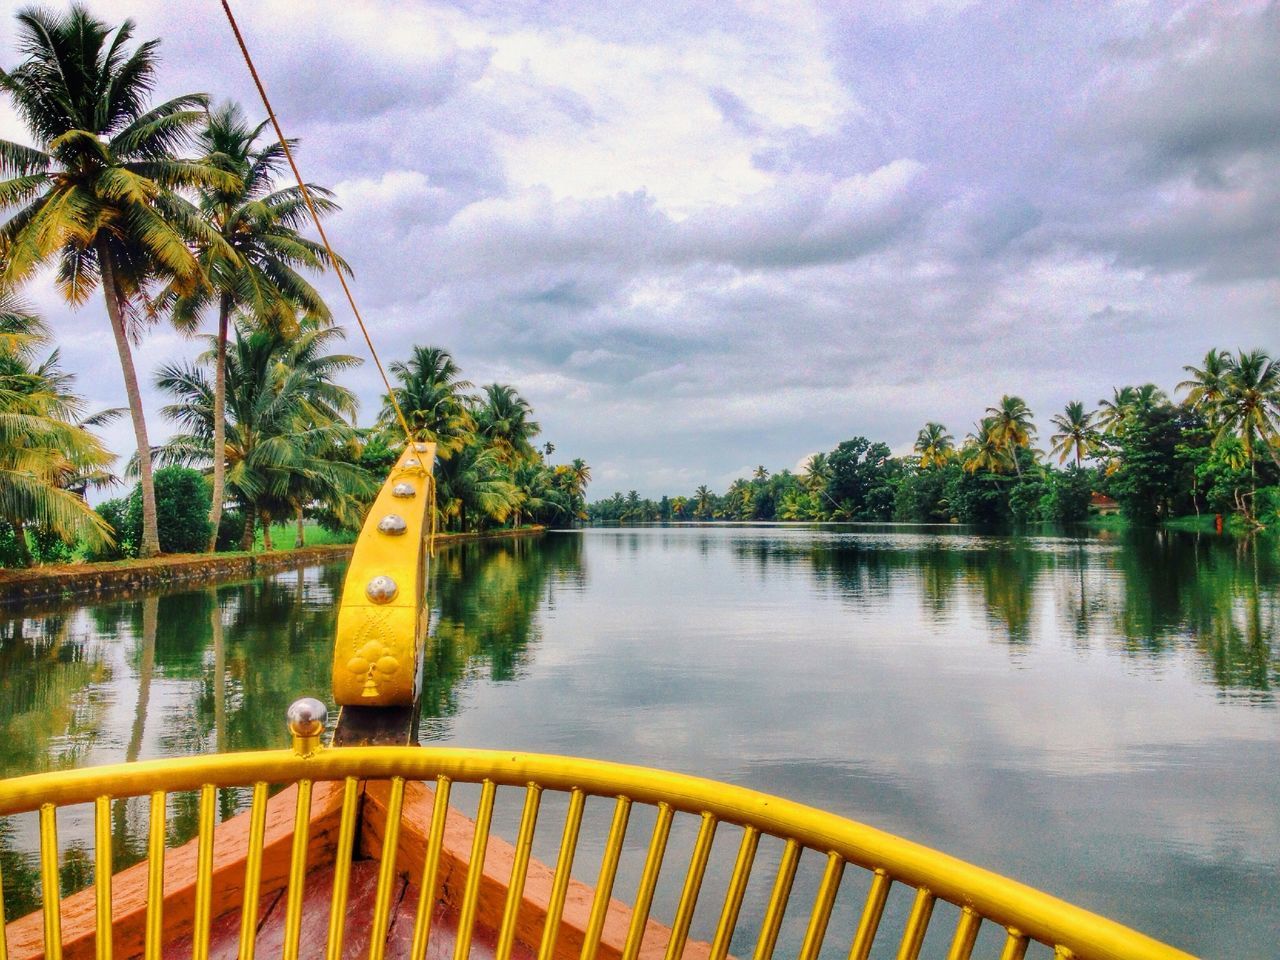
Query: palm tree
{"points": [[760, 473], [679, 505], [44, 446], [432, 395], [985, 449], [1010, 425], [1206, 386], [935, 446], [504, 420], [1250, 404], [253, 266], [702, 498], [98, 193], [285, 415], [1112, 413], [473, 484], [1076, 434]]}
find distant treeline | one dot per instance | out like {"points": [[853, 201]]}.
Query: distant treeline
{"points": [[1216, 451]]}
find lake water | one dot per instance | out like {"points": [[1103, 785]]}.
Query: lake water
{"points": [[1095, 716]]}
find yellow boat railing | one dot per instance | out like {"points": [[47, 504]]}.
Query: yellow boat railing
{"points": [[1021, 915]]}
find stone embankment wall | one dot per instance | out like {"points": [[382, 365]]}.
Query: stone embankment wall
{"points": [[47, 586]]}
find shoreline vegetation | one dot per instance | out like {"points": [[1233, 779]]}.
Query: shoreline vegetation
{"points": [[181, 214], [1209, 460], [111, 579]]}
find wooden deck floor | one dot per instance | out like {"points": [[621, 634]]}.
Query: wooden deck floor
{"points": [[225, 930]]}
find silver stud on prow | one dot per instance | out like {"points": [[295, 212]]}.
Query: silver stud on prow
{"points": [[411, 462], [405, 491], [381, 589], [306, 718], [393, 525], [420, 447]]}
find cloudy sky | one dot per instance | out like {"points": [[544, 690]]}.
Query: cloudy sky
{"points": [[704, 236]]}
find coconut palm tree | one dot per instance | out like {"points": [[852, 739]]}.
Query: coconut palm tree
{"points": [[1076, 435], [1010, 425], [702, 499], [285, 415], [1206, 386], [505, 420], [1250, 405], [44, 448], [986, 449], [472, 484], [97, 194], [935, 446], [1112, 413], [760, 473], [254, 265], [434, 399]]}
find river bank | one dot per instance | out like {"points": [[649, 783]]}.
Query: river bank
{"points": [[121, 578]]}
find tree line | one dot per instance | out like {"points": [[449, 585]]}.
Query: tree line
{"points": [[1212, 449], [174, 213]]}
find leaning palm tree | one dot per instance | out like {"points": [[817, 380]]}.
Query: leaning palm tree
{"points": [[285, 416], [253, 265], [504, 420], [1206, 386], [1010, 425], [434, 399], [97, 194], [935, 446], [43, 443], [1076, 435]]}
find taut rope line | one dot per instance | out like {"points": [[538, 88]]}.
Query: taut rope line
{"points": [[315, 217]]}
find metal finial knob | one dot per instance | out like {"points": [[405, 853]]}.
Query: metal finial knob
{"points": [[307, 717]]}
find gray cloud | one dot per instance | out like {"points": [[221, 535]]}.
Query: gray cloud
{"points": [[700, 237]]}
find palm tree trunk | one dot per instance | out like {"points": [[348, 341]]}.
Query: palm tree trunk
{"points": [[246, 538], [299, 541], [266, 533], [150, 545], [219, 423], [20, 540]]}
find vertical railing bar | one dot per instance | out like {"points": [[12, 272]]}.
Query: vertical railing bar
{"points": [[692, 887], [297, 871], [101, 877], [822, 904], [564, 864], [152, 943], [648, 882], [4, 937], [736, 891], [430, 870], [1015, 945], [475, 872], [386, 871], [917, 925], [253, 872], [519, 872], [778, 901], [204, 873], [604, 882], [342, 868], [872, 911], [50, 895], [966, 934]]}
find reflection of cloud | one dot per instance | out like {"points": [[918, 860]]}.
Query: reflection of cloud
{"points": [[745, 232]]}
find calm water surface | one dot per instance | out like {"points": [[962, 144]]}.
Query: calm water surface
{"points": [[1093, 716]]}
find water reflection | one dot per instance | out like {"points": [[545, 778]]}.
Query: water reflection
{"points": [[1095, 715], [184, 672]]}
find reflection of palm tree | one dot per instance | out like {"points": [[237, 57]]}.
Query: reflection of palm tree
{"points": [[219, 672], [146, 666]]}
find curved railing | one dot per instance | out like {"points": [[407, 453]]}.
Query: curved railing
{"points": [[1022, 915]]}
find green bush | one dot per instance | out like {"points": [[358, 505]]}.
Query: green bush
{"points": [[230, 530], [182, 510], [116, 513]]}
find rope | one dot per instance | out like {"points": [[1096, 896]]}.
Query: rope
{"points": [[315, 217]]}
